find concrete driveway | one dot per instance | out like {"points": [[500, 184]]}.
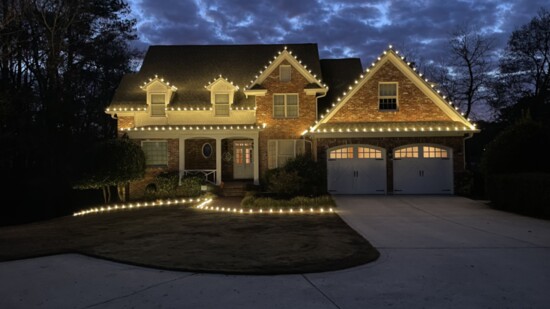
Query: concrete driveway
{"points": [[436, 252]]}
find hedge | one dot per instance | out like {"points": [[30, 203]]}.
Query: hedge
{"points": [[525, 193]]}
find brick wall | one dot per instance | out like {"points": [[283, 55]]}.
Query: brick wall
{"points": [[125, 122], [193, 154], [413, 104], [390, 143], [277, 128], [137, 188]]}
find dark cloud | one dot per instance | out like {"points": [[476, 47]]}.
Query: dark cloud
{"points": [[353, 28]]}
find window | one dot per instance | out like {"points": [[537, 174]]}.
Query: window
{"points": [[280, 151], [409, 152], [387, 96], [284, 73], [434, 152], [368, 153], [221, 105], [158, 105], [156, 152], [285, 105], [341, 153], [206, 150]]}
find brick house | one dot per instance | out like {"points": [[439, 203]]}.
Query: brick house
{"points": [[231, 112]]}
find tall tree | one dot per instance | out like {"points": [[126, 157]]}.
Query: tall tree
{"points": [[525, 69], [467, 73]]}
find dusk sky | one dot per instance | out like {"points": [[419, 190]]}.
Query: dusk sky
{"points": [[352, 28], [419, 29]]}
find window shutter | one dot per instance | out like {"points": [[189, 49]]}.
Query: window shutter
{"points": [[271, 154]]}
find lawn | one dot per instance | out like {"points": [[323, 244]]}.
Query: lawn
{"points": [[188, 239]]}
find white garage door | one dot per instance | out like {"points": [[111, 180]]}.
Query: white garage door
{"points": [[356, 169], [422, 169]]}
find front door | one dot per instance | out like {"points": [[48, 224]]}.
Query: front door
{"points": [[242, 162]]}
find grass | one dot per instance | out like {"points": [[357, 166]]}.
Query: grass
{"points": [[183, 238]]}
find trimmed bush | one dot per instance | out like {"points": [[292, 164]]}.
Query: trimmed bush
{"points": [[525, 193], [167, 185], [299, 176], [252, 201], [190, 187]]}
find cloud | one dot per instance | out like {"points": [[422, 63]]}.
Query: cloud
{"points": [[353, 28]]}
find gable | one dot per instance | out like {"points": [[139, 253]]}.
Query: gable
{"points": [[413, 104], [417, 100]]}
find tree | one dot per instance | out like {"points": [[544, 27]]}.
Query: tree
{"points": [[467, 72], [113, 163], [525, 65]]}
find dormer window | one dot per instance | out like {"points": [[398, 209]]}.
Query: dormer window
{"points": [[221, 104], [285, 73], [158, 105], [387, 96]]}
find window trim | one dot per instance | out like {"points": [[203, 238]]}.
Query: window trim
{"points": [[396, 97], [285, 66], [276, 164], [151, 103], [285, 105], [211, 150], [156, 141]]}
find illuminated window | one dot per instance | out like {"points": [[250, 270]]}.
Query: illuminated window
{"points": [[387, 96], [409, 152], [434, 152], [285, 105], [341, 153], [280, 151], [156, 152], [284, 73], [368, 153], [221, 105], [243, 152], [158, 105]]}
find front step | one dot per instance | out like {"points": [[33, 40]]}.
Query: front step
{"points": [[234, 189]]}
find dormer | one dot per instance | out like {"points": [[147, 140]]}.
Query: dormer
{"points": [[222, 94], [283, 64], [159, 93]]}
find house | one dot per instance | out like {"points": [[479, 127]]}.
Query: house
{"points": [[231, 112]]}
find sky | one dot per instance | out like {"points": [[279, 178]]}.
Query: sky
{"points": [[342, 28]]}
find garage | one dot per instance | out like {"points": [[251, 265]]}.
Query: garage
{"points": [[356, 169], [422, 169]]}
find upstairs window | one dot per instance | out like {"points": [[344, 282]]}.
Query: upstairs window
{"points": [[158, 105], [284, 73], [387, 96], [221, 105], [285, 105]]}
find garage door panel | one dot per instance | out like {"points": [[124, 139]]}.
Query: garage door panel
{"points": [[429, 171], [356, 169]]}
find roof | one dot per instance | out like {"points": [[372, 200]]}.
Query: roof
{"points": [[191, 67], [338, 74]]}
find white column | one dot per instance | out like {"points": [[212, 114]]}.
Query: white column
{"points": [[182, 157], [256, 158], [218, 161]]}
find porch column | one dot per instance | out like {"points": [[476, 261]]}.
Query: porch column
{"points": [[182, 157], [218, 161], [256, 160]]}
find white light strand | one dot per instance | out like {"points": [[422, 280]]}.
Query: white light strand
{"points": [[220, 77], [126, 109], [197, 128], [156, 78], [137, 205], [267, 211]]}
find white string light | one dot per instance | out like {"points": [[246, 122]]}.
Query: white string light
{"points": [[197, 128], [137, 205], [268, 211]]}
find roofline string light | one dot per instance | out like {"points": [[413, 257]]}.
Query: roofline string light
{"points": [[156, 78], [295, 57], [129, 206], [220, 77], [197, 128], [389, 129], [367, 71]]}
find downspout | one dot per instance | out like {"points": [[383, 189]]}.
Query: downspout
{"points": [[468, 136], [314, 142]]}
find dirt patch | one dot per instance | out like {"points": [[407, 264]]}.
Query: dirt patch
{"points": [[182, 238]]}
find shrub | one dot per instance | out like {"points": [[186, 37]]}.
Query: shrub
{"points": [[253, 201], [299, 176], [525, 193], [190, 187]]}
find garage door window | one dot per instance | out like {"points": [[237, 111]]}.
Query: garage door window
{"points": [[368, 153], [341, 153], [434, 152], [409, 152]]}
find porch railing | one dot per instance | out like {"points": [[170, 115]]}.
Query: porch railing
{"points": [[209, 175]]}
